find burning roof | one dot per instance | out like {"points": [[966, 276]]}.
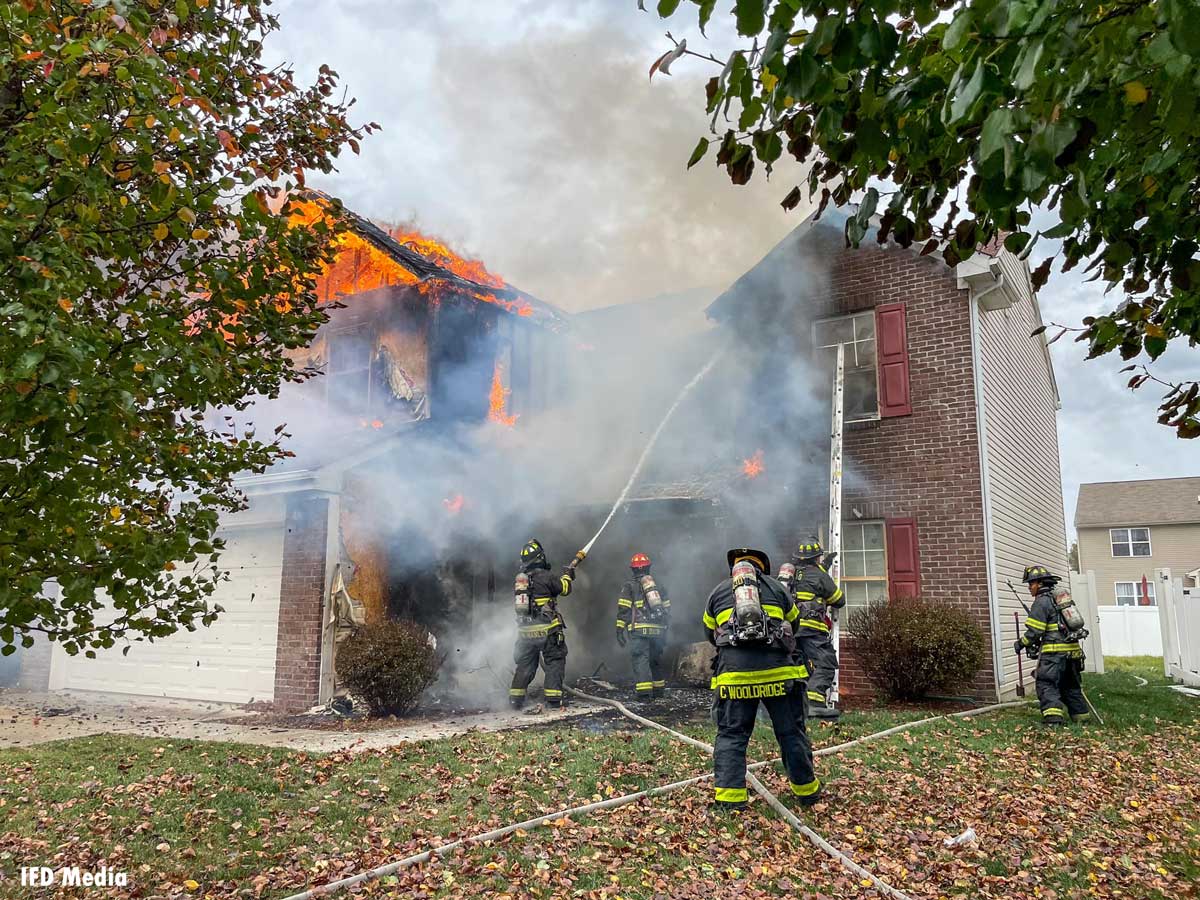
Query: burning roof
{"points": [[408, 257]]}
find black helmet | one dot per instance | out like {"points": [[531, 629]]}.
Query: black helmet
{"points": [[533, 556], [809, 549], [757, 558], [1039, 573]]}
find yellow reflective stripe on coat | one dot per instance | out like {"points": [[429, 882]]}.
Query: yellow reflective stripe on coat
{"points": [[835, 597], [723, 615], [814, 624], [620, 623], [531, 631], [731, 795], [793, 614], [625, 603], [649, 628], [1061, 648], [762, 676], [805, 595], [1036, 624], [775, 612], [566, 585], [709, 621]]}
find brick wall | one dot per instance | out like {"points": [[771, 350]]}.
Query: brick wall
{"points": [[301, 595], [924, 465]]}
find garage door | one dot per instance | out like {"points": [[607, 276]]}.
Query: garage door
{"points": [[233, 661]]}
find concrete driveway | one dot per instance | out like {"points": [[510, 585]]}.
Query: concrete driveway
{"points": [[28, 718]]}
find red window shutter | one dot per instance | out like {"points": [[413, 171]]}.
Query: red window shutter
{"points": [[891, 340], [904, 560]]}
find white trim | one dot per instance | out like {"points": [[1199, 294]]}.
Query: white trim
{"points": [[989, 541]]}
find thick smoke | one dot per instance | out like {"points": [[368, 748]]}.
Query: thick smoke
{"points": [[550, 155]]}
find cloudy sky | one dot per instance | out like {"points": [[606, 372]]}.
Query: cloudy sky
{"points": [[527, 133]]}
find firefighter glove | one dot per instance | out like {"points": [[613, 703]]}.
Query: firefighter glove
{"points": [[1018, 647], [569, 571], [622, 636]]}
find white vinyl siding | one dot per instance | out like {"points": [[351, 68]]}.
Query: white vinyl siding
{"points": [[1020, 434]]}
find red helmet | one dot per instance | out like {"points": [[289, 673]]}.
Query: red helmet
{"points": [[639, 561]]}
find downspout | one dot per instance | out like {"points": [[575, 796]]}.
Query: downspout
{"points": [[985, 486]]}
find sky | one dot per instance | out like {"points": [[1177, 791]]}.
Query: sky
{"points": [[528, 133]]}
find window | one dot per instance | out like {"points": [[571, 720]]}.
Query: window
{"points": [[857, 332], [348, 375], [864, 563], [1130, 541], [1129, 593]]}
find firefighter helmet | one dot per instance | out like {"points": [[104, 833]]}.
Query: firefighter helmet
{"points": [[533, 555], [757, 558], [639, 561], [1039, 573], [809, 549]]}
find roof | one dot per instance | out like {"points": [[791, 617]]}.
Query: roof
{"points": [[506, 297], [1157, 501]]}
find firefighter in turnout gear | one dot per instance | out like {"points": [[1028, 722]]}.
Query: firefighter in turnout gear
{"points": [[748, 617], [540, 627], [643, 613], [816, 594], [1053, 630]]}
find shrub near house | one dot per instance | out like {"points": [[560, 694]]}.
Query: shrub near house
{"points": [[389, 665], [910, 648]]}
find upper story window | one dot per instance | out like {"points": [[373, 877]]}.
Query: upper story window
{"points": [[1130, 541], [348, 374], [857, 333], [863, 576]]}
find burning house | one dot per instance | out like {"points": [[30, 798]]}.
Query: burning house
{"points": [[952, 482], [427, 360]]}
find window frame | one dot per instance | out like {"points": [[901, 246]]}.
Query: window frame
{"points": [[1130, 542], [1137, 592], [844, 579], [874, 340], [334, 375]]}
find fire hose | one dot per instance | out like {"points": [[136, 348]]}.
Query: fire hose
{"points": [[392, 868], [637, 469]]}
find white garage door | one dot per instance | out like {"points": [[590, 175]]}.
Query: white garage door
{"points": [[232, 661]]}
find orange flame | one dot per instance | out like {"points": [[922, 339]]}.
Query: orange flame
{"points": [[361, 266], [498, 399], [454, 504], [753, 467]]}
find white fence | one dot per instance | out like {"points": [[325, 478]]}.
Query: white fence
{"points": [[1130, 630], [1180, 628]]}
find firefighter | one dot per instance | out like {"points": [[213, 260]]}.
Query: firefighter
{"points": [[816, 594], [643, 611], [1050, 638], [748, 618], [540, 626]]}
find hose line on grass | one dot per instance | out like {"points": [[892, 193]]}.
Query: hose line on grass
{"points": [[392, 868]]}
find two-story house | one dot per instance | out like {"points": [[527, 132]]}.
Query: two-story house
{"points": [[1127, 529], [952, 477]]}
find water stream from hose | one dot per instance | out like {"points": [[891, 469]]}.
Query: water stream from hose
{"points": [[637, 470]]}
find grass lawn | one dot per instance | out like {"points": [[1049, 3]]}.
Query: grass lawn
{"points": [[1108, 811]]}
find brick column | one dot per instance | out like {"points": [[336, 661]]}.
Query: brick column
{"points": [[301, 599]]}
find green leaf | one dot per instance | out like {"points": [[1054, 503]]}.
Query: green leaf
{"points": [[1026, 71], [751, 17], [967, 95], [667, 7], [960, 28], [997, 131], [698, 153]]}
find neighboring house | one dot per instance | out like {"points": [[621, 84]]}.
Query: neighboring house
{"points": [[427, 346], [953, 483], [1127, 529]]}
